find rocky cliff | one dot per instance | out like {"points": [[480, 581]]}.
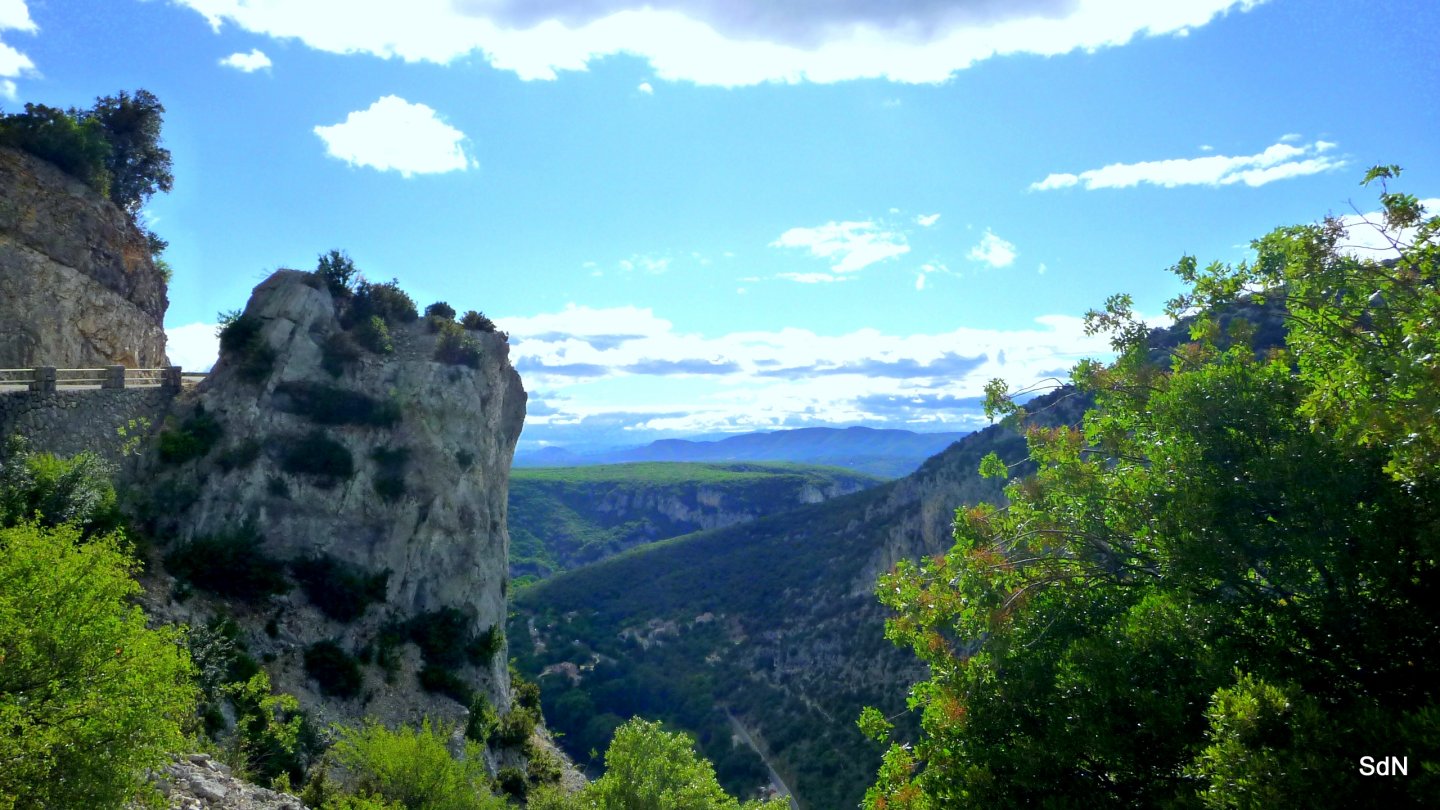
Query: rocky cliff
{"points": [[78, 288], [388, 468]]}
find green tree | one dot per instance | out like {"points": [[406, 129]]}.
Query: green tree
{"points": [[648, 768], [1213, 592], [89, 697], [76, 145], [414, 767], [52, 491], [137, 164]]}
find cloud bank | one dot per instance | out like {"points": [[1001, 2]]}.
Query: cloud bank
{"points": [[719, 42], [395, 135], [1281, 161]]}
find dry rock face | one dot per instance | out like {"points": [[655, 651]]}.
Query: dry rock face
{"points": [[78, 288], [196, 782], [435, 521]]}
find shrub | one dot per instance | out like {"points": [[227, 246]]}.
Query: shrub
{"points": [[338, 272], [516, 727], [476, 321], [239, 456], [272, 737], [390, 480], [341, 591], [456, 348], [541, 766], [319, 456], [230, 563], [483, 648], [511, 780], [445, 682], [89, 696], [440, 310], [339, 352], [337, 672], [385, 301], [483, 721], [373, 334], [414, 767], [331, 405], [527, 693], [442, 636], [77, 147], [242, 343], [191, 439], [50, 490]]}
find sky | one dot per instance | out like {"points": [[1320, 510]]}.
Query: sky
{"points": [[698, 217]]}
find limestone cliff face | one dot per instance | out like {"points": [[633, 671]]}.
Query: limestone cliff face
{"points": [[424, 496], [78, 288]]}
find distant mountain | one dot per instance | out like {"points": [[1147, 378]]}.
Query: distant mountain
{"points": [[887, 453], [564, 517]]}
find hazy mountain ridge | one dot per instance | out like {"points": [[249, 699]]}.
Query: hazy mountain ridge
{"points": [[887, 452]]}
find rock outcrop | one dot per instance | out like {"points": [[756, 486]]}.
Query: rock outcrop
{"points": [[78, 288], [396, 466]]}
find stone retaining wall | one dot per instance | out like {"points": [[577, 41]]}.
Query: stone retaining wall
{"points": [[67, 422]]}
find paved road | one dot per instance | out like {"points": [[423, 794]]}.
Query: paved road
{"points": [[776, 782]]}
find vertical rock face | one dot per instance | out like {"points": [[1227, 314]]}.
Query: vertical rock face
{"points": [[78, 288], [421, 494]]}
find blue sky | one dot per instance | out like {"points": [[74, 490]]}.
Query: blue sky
{"points": [[701, 216]]}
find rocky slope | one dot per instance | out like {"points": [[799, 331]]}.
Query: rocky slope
{"points": [[561, 518], [393, 470], [78, 288]]}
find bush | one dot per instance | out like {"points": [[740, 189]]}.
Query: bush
{"points": [[338, 272], [242, 343], [192, 439], [456, 348], [442, 636], [444, 681], [483, 648], [483, 721], [330, 405], [319, 456], [373, 334], [516, 727], [335, 670], [390, 480], [414, 767], [239, 456], [89, 696], [50, 490], [511, 780], [341, 591], [385, 301], [440, 310], [476, 321], [339, 352], [230, 563], [273, 738]]}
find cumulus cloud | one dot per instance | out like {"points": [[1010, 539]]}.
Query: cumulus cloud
{"points": [[646, 88], [193, 347], [395, 135], [849, 246], [247, 62], [993, 250], [926, 220], [14, 16], [1280, 161], [1367, 237], [719, 42], [678, 383]]}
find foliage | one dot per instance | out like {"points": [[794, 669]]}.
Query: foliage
{"points": [[339, 274], [321, 457], [1250, 534], [241, 341], [414, 767], [516, 727], [271, 736], [342, 591], [477, 322], [648, 767], [50, 491], [229, 563], [390, 478], [339, 352], [335, 670], [238, 456], [332, 405], [384, 300], [193, 438], [88, 696], [373, 334], [455, 347], [439, 311], [483, 721], [137, 165], [443, 681], [74, 144]]}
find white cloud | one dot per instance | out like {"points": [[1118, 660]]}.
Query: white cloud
{"points": [[719, 42], [850, 246], [1041, 270], [993, 251], [646, 88], [395, 135], [926, 220], [920, 281], [247, 62], [654, 265], [193, 347], [1367, 237], [811, 278], [14, 16], [1278, 162]]}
